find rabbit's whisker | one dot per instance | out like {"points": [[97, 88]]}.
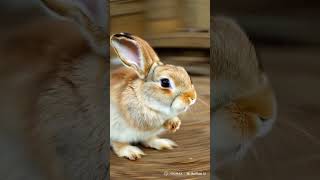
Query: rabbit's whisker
{"points": [[193, 110], [255, 154], [298, 161], [313, 157], [261, 163], [203, 102], [201, 112], [302, 131]]}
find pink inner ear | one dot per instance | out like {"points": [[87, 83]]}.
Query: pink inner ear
{"points": [[130, 52]]}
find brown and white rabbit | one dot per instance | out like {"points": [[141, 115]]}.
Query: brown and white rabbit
{"points": [[244, 105], [146, 97], [54, 72]]}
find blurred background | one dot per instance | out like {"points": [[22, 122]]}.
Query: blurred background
{"points": [[178, 30], [286, 34], [291, 22]]}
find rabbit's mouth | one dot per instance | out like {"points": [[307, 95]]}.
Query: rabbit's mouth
{"points": [[182, 109], [182, 102], [179, 106]]}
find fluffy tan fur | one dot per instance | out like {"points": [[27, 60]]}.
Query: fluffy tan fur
{"points": [[141, 104]]}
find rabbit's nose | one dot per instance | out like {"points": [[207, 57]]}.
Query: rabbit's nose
{"points": [[263, 119], [192, 100], [188, 97], [265, 125]]}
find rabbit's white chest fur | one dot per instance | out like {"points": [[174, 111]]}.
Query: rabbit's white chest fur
{"points": [[122, 132]]}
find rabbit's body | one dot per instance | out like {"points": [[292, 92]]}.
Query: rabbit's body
{"points": [[131, 134], [55, 73], [72, 113], [146, 97], [64, 116], [138, 128], [134, 132]]}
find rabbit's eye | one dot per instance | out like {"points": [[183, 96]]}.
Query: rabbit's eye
{"points": [[165, 82]]}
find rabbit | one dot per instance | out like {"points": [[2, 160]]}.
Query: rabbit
{"points": [[244, 105], [59, 65], [146, 97]]}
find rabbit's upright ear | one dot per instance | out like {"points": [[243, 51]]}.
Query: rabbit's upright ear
{"points": [[134, 52], [90, 15]]}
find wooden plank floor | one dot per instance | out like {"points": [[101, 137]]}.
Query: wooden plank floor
{"points": [[192, 154], [292, 149]]}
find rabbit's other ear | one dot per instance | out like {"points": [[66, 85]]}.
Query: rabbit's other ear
{"points": [[134, 52], [90, 15]]}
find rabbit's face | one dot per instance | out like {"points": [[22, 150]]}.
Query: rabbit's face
{"points": [[169, 89], [241, 122], [165, 88]]}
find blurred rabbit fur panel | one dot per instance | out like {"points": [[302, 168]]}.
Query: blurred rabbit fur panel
{"points": [[244, 104], [146, 97], [67, 52]]}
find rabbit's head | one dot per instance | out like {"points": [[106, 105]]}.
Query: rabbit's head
{"points": [[166, 88]]}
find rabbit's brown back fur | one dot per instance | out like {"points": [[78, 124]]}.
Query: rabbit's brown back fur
{"points": [[50, 62]]}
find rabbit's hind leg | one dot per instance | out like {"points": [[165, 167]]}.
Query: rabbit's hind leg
{"points": [[126, 150], [159, 143]]}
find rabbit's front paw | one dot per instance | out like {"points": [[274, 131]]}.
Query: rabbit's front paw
{"points": [[172, 125], [127, 151], [160, 143]]}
